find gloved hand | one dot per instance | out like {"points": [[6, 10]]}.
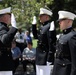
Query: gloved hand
{"points": [[34, 21], [49, 63], [13, 21], [52, 26]]}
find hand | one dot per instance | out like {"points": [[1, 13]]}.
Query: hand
{"points": [[52, 26], [13, 21], [49, 63], [34, 20]]}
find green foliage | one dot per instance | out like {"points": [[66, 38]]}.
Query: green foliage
{"points": [[24, 10], [34, 43]]}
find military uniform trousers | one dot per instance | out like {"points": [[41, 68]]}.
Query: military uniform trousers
{"points": [[6, 73], [44, 69]]}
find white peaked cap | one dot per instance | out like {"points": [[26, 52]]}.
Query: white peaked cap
{"points": [[34, 20], [45, 11], [6, 10], [66, 14]]}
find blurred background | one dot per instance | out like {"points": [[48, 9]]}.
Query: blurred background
{"points": [[24, 10]]}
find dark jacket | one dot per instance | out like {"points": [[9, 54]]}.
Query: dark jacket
{"points": [[45, 45], [6, 37], [65, 62]]}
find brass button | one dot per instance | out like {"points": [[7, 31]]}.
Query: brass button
{"points": [[63, 64]]}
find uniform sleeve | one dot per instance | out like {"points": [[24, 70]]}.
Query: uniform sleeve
{"points": [[7, 36], [72, 46], [34, 31], [52, 43]]}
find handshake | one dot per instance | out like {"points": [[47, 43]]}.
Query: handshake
{"points": [[13, 21]]}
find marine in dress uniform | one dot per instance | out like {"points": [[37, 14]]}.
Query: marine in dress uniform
{"points": [[46, 39], [65, 62], [6, 36]]}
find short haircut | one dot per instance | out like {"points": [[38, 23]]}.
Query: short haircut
{"points": [[30, 43]]}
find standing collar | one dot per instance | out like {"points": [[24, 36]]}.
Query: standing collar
{"points": [[65, 31], [3, 23], [45, 23]]}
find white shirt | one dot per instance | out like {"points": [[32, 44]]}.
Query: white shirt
{"points": [[19, 37]]}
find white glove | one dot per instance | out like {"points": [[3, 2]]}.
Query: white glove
{"points": [[49, 63], [52, 26], [13, 21], [34, 20]]}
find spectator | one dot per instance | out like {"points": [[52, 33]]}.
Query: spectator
{"points": [[16, 53], [28, 37], [29, 55], [20, 39]]}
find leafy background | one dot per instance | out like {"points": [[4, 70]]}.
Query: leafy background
{"points": [[24, 10]]}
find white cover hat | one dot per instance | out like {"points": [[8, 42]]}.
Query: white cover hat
{"points": [[6, 10], [66, 14], [34, 20], [45, 11]]}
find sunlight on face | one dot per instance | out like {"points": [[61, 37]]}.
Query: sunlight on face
{"points": [[43, 18], [8, 18], [63, 24]]}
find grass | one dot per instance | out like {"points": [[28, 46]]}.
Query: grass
{"points": [[34, 43]]}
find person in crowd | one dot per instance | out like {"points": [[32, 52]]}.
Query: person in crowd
{"points": [[28, 38], [29, 56], [46, 40], [6, 37], [16, 53], [65, 57], [20, 39]]}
